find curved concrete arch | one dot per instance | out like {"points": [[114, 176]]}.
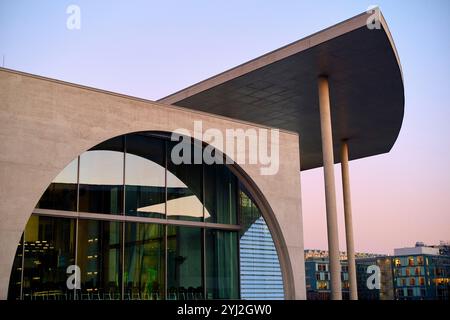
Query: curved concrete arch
{"points": [[47, 123], [262, 205]]}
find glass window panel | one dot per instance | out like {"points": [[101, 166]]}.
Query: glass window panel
{"points": [[61, 194], [101, 178], [98, 256], [184, 263], [221, 264], [49, 250], [144, 261], [184, 187], [220, 194], [145, 176], [257, 249], [15, 280]]}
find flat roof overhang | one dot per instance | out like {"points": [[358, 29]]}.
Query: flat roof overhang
{"points": [[279, 89]]}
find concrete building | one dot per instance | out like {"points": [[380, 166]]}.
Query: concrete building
{"points": [[88, 179]]}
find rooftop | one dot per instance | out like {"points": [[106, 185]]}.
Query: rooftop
{"points": [[279, 89]]}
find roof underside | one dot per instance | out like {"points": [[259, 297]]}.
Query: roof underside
{"points": [[279, 90]]}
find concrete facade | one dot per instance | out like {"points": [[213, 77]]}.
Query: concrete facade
{"points": [[46, 123]]}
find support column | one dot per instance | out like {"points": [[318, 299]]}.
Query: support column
{"points": [[348, 222], [330, 191]]}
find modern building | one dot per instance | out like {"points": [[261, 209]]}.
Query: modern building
{"points": [[412, 273], [318, 286], [318, 254], [317, 271], [421, 273], [95, 206], [260, 269], [386, 290]]}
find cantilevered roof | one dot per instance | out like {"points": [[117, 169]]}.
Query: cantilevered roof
{"points": [[279, 89]]}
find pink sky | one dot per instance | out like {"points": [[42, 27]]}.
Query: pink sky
{"points": [[152, 49]]}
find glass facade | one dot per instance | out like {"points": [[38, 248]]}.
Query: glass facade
{"points": [[184, 262], [222, 279], [49, 248], [61, 194], [144, 261], [143, 227], [101, 178], [99, 256], [260, 268]]}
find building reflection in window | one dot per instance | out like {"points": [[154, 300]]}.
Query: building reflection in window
{"points": [[15, 281], [144, 261], [49, 245], [101, 178], [99, 258], [145, 176], [184, 263], [184, 186], [133, 257], [220, 194], [260, 274], [61, 194], [222, 279]]}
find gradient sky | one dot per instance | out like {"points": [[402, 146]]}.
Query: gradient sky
{"points": [[151, 49]]}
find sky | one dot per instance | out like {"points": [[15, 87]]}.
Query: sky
{"points": [[150, 49]]}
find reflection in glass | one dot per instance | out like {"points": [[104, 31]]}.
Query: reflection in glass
{"points": [[145, 176], [101, 178], [144, 261], [98, 257], [49, 250], [61, 194], [260, 267], [220, 194], [194, 192], [222, 274], [15, 280], [184, 263], [184, 187]]}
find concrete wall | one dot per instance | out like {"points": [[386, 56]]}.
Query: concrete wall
{"points": [[44, 124]]}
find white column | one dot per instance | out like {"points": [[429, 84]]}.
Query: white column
{"points": [[330, 191], [348, 222]]}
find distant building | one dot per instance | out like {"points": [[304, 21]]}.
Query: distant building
{"points": [[318, 276], [414, 273], [318, 279], [421, 273], [386, 291], [315, 253], [444, 248]]}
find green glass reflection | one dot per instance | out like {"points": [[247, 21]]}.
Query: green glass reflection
{"points": [[49, 249], [61, 194], [144, 261], [99, 259], [145, 176], [220, 194], [184, 263], [222, 276]]}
